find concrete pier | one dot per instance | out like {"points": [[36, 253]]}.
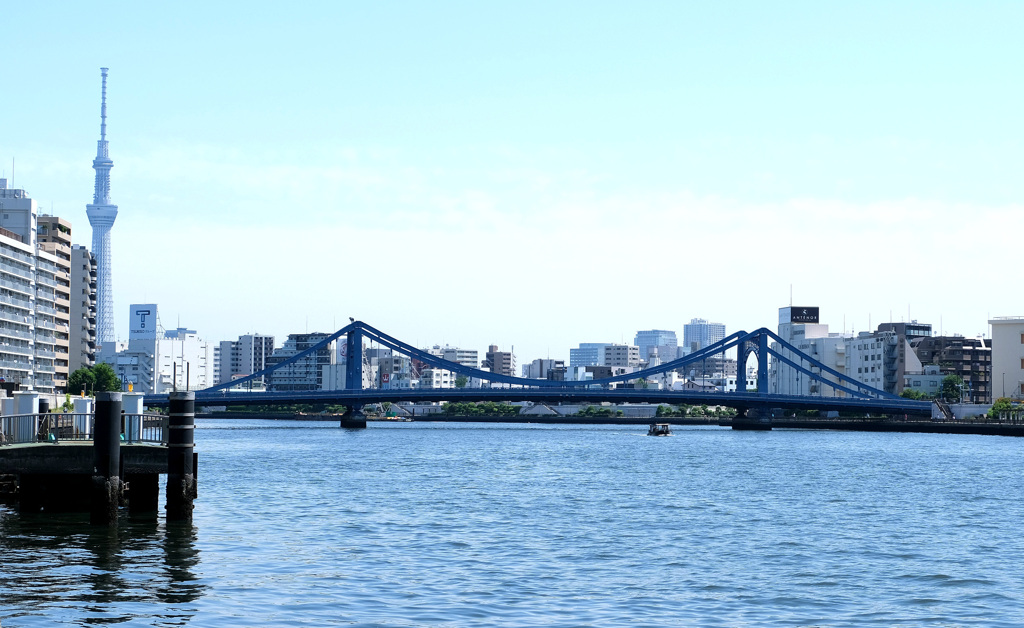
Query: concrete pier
{"points": [[106, 487], [181, 477], [755, 419]]}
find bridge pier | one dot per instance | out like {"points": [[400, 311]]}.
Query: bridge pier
{"points": [[756, 419], [354, 417]]}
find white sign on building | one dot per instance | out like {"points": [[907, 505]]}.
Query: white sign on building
{"points": [[142, 324]]}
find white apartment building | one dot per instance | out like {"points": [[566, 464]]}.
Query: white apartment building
{"points": [[34, 295], [866, 358], [800, 327], [436, 378], [465, 357], [238, 358], [540, 368], [1007, 357]]}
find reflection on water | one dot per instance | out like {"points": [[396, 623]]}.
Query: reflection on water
{"points": [[65, 570]]}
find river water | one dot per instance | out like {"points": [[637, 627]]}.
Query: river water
{"points": [[438, 524]]}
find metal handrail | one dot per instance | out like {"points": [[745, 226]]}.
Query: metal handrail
{"points": [[55, 427]]}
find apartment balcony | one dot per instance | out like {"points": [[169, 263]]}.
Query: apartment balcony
{"points": [[17, 255], [18, 349], [22, 303], [19, 287], [15, 333], [24, 273]]}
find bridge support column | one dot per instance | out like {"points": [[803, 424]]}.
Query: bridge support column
{"points": [[181, 479], [354, 360], [354, 417], [757, 419], [762, 364], [106, 489]]}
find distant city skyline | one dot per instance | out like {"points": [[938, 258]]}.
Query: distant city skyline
{"points": [[847, 157]]}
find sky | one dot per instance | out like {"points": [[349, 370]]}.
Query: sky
{"points": [[532, 174]]}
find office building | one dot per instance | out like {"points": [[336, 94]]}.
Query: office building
{"points": [[616, 355], [587, 354], [158, 361], [657, 341]]}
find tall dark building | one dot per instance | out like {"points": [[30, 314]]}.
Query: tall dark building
{"points": [[970, 358]]}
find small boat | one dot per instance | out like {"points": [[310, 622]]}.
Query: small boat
{"points": [[659, 429]]}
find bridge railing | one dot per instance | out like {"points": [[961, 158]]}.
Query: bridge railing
{"points": [[57, 427]]}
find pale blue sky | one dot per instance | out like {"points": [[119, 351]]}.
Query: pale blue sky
{"points": [[534, 174]]}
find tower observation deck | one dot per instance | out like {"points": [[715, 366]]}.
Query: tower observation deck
{"points": [[102, 213]]}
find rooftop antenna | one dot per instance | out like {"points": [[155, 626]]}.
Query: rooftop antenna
{"points": [[790, 295]]}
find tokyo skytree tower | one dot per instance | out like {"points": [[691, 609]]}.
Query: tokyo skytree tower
{"points": [[101, 215]]}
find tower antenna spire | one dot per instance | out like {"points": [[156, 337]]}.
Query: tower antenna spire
{"points": [[103, 107], [102, 213]]}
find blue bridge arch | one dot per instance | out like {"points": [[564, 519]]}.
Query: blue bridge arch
{"points": [[847, 394]]}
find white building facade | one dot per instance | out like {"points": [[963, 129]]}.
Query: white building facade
{"points": [[1007, 357]]}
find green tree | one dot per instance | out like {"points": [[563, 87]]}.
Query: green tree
{"points": [[913, 393], [82, 380], [106, 378], [951, 387], [1003, 404], [461, 381]]}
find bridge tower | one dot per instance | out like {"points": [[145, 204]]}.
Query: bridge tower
{"points": [[354, 416], [753, 418]]}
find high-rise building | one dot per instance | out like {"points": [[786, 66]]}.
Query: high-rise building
{"points": [[306, 373], [587, 354], [665, 342], [17, 294], [503, 362], [245, 356], [102, 213], [34, 293], [82, 330], [54, 237], [699, 333]]}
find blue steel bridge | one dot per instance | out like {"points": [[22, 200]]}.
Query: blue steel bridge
{"points": [[834, 390]]}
